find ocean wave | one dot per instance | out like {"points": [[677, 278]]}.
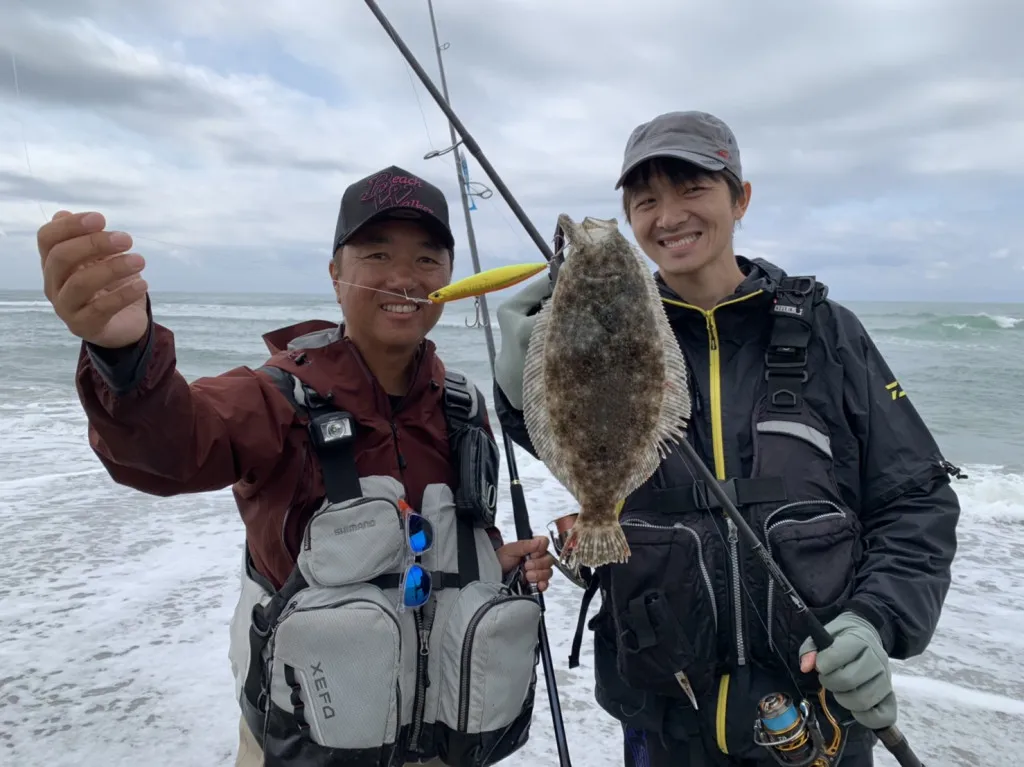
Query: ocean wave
{"points": [[927, 326], [991, 495], [280, 314]]}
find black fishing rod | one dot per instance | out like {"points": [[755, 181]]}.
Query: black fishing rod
{"points": [[467, 139], [520, 512], [891, 737]]}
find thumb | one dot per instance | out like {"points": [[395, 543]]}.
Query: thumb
{"points": [[522, 548], [807, 662], [537, 545]]}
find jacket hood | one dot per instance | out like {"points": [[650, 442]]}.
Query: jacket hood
{"points": [[760, 275]]}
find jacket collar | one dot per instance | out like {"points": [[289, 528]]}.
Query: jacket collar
{"points": [[760, 276], [319, 354]]}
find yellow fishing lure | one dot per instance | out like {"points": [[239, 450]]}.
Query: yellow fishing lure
{"points": [[499, 278]]}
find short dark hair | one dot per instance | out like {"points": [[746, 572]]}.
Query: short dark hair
{"points": [[678, 172]]}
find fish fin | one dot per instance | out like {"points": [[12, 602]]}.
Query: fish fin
{"points": [[593, 544], [535, 410]]}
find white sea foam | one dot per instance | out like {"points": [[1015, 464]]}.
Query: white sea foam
{"points": [[114, 606]]}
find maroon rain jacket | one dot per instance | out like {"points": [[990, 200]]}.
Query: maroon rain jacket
{"points": [[158, 434]]}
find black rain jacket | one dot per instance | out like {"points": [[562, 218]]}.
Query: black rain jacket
{"points": [[869, 523]]}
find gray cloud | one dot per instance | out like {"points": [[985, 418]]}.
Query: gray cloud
{"points": [[880, 140], [62, 66], [96, 192]]}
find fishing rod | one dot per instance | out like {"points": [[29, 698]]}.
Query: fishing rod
{"points": [[463, 186], [467, 138], [891, 737], [520, 512]]}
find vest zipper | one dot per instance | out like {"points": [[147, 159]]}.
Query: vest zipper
{"points": [[737, 600], [721, 472], [422, 628], [466, 658], [718, 448], [422, 677]]}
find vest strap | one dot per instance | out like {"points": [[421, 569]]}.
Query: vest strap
{"points": [[438, 580], [469, 567], [262, 622], [785, 360], [577, 639], [332, 434], [696, 496]]}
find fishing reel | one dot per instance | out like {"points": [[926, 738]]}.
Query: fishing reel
{"points": [[792, 735], [558, 532]]}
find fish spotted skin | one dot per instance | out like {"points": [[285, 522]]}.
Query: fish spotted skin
{"points": [[604, 384]]}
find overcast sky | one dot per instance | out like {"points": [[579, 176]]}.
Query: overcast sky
{"points": [[884, 141]]}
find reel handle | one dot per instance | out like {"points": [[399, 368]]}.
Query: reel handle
{"points": [[892, 738]]}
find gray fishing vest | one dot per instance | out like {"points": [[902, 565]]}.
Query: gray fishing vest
{"points": [[328, 671]]}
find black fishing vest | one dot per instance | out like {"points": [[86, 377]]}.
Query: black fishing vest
{"points": [[678, 647]]}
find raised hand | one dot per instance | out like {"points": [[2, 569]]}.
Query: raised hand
{"points": [[94, 284]]}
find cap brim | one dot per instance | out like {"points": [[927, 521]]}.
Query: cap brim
{"points": [[404, 214], [707, 162]]}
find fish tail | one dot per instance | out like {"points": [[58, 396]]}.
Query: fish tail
{"points": [[592, 544]]}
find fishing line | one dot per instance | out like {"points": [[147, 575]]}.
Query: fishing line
{"points": [[21, 122], [34, 177], [517, 233], [404, 295]]}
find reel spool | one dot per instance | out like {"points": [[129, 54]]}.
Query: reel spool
{"points": [[791, 733]]}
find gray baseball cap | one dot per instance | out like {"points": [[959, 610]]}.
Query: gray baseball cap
{"points": [[696, 137]]}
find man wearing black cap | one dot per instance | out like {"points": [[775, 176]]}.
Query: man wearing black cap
{"points": [[392, 240], [797, 413], [340, 416]]}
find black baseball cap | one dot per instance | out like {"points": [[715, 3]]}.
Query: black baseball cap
{"points": [[696, 137], [392, 193]]}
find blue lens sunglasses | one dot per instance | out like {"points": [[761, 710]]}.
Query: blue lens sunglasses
{"points": [[415, 585]]}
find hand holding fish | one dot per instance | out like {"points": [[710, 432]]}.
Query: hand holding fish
{"points": [[604, 384]]}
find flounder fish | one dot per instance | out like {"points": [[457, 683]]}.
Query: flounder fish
{"points": [[604, 384]]}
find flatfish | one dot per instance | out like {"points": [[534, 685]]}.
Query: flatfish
{"points": [[604, 384]]}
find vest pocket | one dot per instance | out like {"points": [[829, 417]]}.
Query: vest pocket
{"points": [[349, 707], [815, 544], [352, 543], [484, 662], [664, 611], [813, 536]]}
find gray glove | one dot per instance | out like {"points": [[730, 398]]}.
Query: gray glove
{"points": [[855, 669], [516, 327]]}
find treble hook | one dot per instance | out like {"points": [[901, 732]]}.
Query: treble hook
{"points": [[478, 321]]}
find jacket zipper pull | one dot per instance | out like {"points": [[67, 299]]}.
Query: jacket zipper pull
{"points": [[712, 335]]}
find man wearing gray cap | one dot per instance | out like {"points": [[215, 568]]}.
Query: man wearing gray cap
{"points": [[800, 418]]}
